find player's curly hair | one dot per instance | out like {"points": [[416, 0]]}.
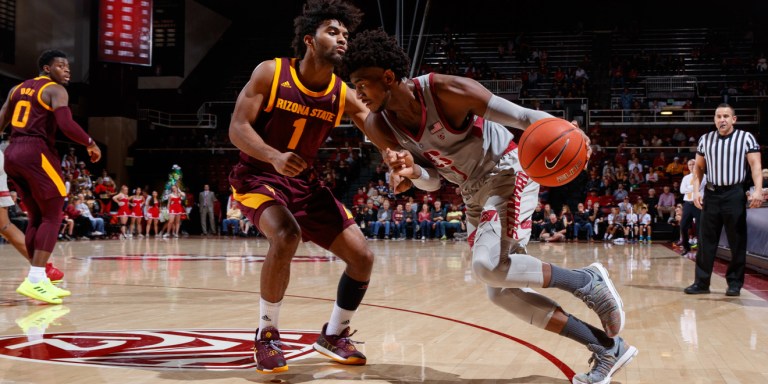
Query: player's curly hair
{"points": [[375, 48], [46, 58], [316, 12]]}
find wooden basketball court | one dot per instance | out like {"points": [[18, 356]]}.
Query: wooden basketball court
{"points": [[184, 310]]}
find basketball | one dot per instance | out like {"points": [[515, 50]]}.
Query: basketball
{"points": [[552, 152]]}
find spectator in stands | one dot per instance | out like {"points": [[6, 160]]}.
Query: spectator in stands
{"points": [[593, 182], [666, 204], [438, 214], [567, 218], [592, 197], [360, 196], [537, 221], [597, 219], [660, 160], [398, 223], [635, 179], [581, 221], [454, 220], [620, 193], [383, 219], [678, 137], [625, 206], [234, 216], [607, 200], [616, 222], [81, 225], [554, 230], [372, 191], [425, 222], [104, 190], [410, 221], [675, 168], [97, 223]]}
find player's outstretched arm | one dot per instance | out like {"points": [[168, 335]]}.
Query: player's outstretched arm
{"points": [[249, 104]]}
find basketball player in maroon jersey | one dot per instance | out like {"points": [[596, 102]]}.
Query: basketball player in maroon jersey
{"points": [[36, 109], [282, 117]]}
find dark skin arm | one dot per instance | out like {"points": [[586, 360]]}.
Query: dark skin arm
{"points": [[250, 103]]}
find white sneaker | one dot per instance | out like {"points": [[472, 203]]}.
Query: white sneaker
{"points": [[97, 233]]}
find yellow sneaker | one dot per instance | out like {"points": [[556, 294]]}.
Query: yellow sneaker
{"points": [[41, 291], [40, 320], [60, 292]]}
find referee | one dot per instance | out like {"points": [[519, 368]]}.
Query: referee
{"points": [[723, 154]]}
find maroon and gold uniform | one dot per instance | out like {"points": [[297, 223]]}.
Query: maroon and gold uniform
{"points": [[294, 119], [32, 158]]}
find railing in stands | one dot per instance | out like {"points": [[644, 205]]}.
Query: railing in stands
{"points": [[503, 86], [677, 116], [178, 120], [670, 86]]}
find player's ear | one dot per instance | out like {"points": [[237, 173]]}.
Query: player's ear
{"points": [[308, 40], [389, 76]]}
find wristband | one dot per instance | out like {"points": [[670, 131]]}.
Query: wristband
{"points": [[424, 174]]}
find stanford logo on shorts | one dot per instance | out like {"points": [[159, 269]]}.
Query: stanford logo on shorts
{"points": [[201, 349]]}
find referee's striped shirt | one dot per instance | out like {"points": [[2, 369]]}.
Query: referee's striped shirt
{"points": [[726, 156]]}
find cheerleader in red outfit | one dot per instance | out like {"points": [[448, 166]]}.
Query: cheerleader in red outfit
{"points": [[153, 212], [137, 212], [123, 209], [175, 210]]}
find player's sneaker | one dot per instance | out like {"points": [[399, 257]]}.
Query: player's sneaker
{"points": [[40, 320], [42, 291], [601, 296], [267, 353], [339, 348], [606, 362], [53, 273], [60, 292]]}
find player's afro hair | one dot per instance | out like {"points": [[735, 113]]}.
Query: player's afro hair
{"points": [[316, 12], [46, 58], [375, 48]]}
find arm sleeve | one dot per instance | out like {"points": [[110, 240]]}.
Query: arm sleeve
{"points": [[70, 128], [429, 180], [510, 114]]}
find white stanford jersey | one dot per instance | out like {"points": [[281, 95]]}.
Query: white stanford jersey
{"points": [[460, 154]]}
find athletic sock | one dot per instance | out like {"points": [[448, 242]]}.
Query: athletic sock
{"points": [[268, 314], [584, 333], [567, 279], [36, 274], [340, 319]]}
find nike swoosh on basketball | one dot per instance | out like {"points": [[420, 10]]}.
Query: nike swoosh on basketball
{"points": [[551, 164]]}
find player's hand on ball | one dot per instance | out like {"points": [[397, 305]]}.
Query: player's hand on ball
{"points": [[587, 142]]}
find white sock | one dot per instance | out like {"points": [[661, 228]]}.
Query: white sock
{"points": [[268, 314], [36, 274], [340, 319]]}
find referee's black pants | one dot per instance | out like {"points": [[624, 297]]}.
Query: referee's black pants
{"points": [[690, 213], [723, 208]]}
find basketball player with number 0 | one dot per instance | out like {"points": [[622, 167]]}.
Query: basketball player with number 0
{"points": [[440, 125]]}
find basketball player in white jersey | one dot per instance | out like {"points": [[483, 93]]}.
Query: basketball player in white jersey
{"points": [[438, 125]]}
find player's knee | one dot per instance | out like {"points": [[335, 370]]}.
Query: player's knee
{"points": [[289, 236], [483, 269]]}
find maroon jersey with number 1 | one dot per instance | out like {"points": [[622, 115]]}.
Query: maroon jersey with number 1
{"points": [[294, 119]]}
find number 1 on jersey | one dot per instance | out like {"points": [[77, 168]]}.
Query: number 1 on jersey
{"points": [[299, 125]]}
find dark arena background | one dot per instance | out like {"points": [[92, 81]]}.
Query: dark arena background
{"points": [[154, 82]]}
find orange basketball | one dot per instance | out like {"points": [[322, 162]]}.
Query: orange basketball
{"points": [[552, 152]]}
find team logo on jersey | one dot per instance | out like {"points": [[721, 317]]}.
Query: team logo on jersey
{"points": [[439, 161], [285, 84], [198, 349]]}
